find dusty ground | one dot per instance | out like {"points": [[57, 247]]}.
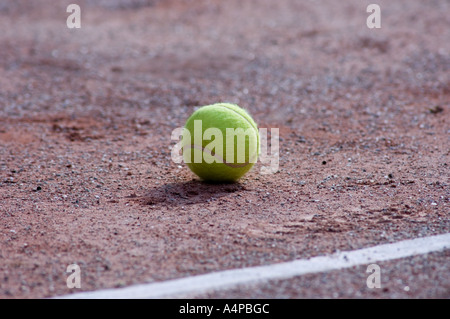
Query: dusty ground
{"points": [[86, 117]]}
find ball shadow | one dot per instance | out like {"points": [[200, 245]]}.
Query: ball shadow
{"points": [[188, 193]]}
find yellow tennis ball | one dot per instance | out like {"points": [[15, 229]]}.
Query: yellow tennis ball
{"points": [[221, 142]]}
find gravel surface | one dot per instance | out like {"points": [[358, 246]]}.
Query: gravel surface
{"points": [[86, 117]]}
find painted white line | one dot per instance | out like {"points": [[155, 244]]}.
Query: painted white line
{"points": [[230, 278]]}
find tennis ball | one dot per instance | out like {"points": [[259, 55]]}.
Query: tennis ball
{"points": [[221, 142]]}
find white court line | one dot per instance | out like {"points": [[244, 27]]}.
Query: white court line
{"points": [[231, 278]]}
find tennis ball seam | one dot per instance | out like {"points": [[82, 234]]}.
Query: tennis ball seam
{"points": [[231, 109], [248, 118]]}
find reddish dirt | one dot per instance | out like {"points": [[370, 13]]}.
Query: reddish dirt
{"points": [[86, 117]]}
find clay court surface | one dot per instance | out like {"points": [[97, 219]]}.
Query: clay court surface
{"points": [[86, 116]]}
